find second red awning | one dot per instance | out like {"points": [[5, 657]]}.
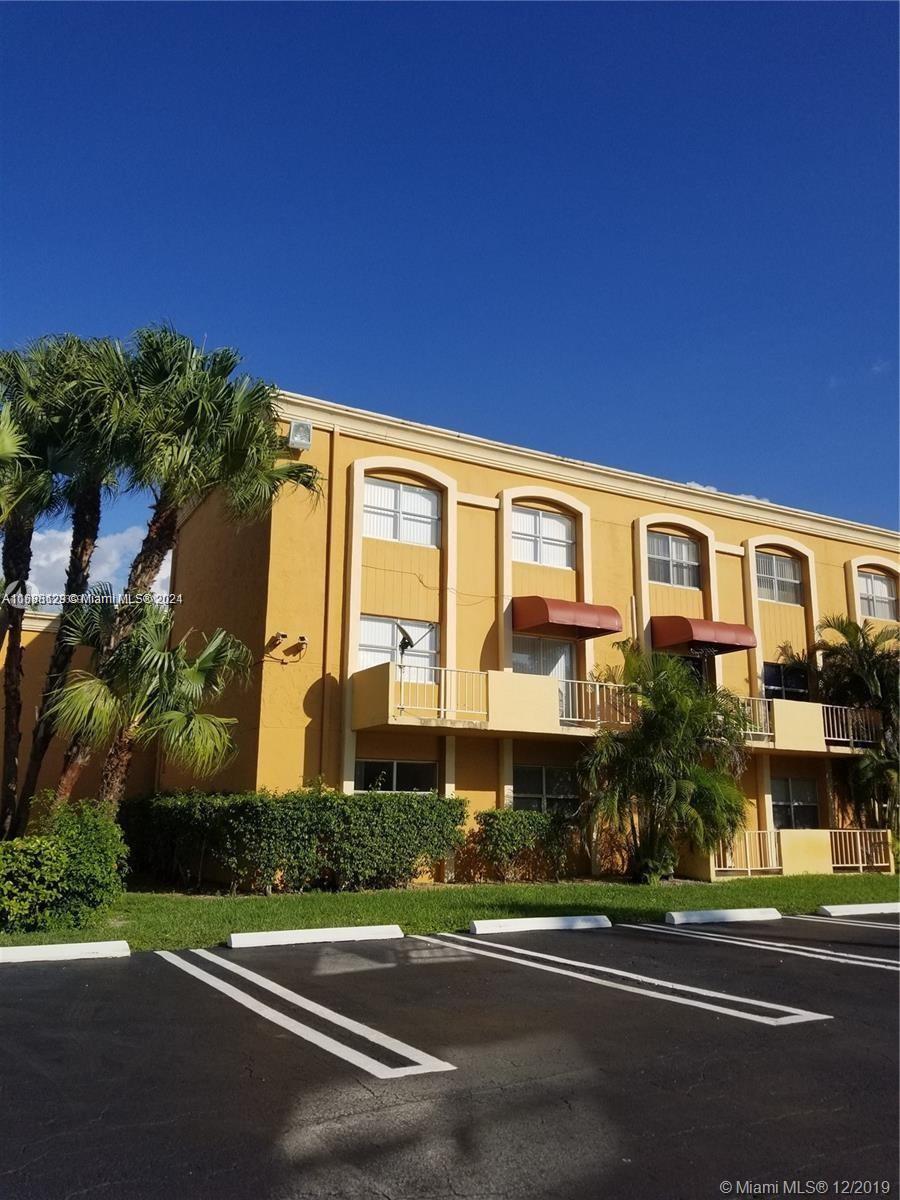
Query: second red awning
{"points": [[686, 634]]}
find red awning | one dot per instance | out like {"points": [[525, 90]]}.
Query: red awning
{"points": [[690, 634], [563, 618]]}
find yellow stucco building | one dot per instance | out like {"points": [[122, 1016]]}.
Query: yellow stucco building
{"points": [[434, 619]]}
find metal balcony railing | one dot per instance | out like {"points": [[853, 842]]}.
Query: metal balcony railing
{"points": [[851, 726], [585, 702], [759, 717], [752, 850], [442, 692], [860, 849]]}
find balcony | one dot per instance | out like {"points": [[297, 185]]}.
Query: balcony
{"points": [[800, 852], [512, 704]]}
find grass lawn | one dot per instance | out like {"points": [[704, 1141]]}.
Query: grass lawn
{"points": [[175, 920]]}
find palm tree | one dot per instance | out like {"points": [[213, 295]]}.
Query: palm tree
{"points": [[98, 406], [858, 665], [672, 774], [31, 383], [145, 691], [200, 429]]}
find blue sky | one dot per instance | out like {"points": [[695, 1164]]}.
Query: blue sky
{"points": [[661, 237]]}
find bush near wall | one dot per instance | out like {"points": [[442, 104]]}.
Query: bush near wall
{"points": [[519, 844], [61, 876], [295, 840]]}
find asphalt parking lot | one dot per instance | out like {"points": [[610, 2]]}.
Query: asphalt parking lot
{"points": [[641, 1061]]}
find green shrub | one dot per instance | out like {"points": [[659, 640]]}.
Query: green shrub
{"points": [[518, 842], [60, 877], [96, 857], [309, 838], [31, 873]]}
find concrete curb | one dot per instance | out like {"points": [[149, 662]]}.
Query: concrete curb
{"points": [[519, 924], [64, 952], [853, 910], [299, 937], [709, 916]]}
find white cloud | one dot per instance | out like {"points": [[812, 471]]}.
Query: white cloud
{"points": [[111, 560], [708, 487], [880, 366]]}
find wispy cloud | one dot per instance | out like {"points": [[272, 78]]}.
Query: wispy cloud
{"points": [[880, 366], [708, 487], [112, 557]]}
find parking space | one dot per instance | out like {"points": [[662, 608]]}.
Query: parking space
{"points": [[630, 1061]]}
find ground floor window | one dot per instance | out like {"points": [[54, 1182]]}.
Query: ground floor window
{"points": [[545, 789], [795, 804], [785, 681], [384, 775]]}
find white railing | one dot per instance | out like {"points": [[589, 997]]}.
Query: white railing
{"points": [[860, 849], [442, 692], [586, 702], [851, 726], [759, 717], [752, 850]]}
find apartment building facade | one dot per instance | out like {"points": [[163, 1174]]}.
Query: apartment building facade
{"points": [[438, 618]]}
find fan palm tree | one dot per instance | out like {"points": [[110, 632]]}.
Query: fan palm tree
{"points": [[31, 385], [858, 665], [97, 405], [672, 774], [145, 691], [200, 429]]}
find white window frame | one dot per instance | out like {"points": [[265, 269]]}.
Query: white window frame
{"points": [[784, 589], [401, 513], [670, 564], [542, 538], [393, 763], [791, 803], [388, 649], [544, 793], [869, 600], [545, 648]]}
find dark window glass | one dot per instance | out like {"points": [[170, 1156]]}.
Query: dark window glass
{"points": [[784, 681], [795, 804], [416, 776]]}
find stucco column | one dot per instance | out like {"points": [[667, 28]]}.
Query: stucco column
{"points": [[764, 814]]}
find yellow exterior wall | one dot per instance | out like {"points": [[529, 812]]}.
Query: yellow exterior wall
{"points": [[780, 623], [293, 724]]}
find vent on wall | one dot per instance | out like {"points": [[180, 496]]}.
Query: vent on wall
{"points": [[300, 437]]}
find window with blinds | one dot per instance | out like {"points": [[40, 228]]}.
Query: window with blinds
{"points": [[878, 595], [401, 512], [379, 642], [542, 537], [543, 656], [674, 560], [779, 578]]}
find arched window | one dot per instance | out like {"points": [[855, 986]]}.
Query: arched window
{"points": [[877, 594], [401, 512], [673, 559], [543, 537], [779, 577]]}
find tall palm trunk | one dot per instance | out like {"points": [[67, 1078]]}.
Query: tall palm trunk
{"points": [[16, 565], [116, 767], [85, 527], [159, 539]]}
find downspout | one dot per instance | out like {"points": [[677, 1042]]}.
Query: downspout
{"points": [[329, 520]]}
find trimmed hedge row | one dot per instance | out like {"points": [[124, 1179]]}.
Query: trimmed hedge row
{"points": [[520, 843], [291, 841], [62, 876]]}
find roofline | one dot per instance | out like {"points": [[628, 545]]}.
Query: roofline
{"points": [[434, 439]]}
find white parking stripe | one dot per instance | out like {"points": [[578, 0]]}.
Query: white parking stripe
{"points": [[328, 1014], [833, 956], [322, 1040], [848, 921], [792, 1016]]}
